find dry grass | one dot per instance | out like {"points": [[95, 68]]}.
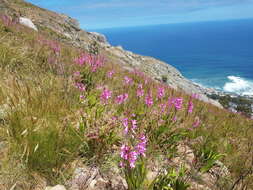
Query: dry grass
{"points": [[42, 110]]}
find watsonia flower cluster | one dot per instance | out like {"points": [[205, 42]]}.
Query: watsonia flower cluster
{"points": [[121, 98], [134, 146], [94, 61]]}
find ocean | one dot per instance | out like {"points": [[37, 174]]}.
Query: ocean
{"points": [[213, 54]]}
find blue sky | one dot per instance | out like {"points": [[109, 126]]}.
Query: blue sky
{"points": [[98, 14]]}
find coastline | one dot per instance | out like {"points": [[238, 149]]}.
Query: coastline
{"points": [[233, 102]]}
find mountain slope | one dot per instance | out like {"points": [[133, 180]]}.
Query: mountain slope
{"points": [[68, 30], [72, 108]]}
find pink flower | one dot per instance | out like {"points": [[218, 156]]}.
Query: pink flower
{"points": [[80, 86], [124, 152], [140, 91], [6, 20], [96, 62], [128, 155], [134, 125], [174, 118], [196, 122], [122, 164], [55, 47], [178, 103], [93, 61], [132, 158], [170, 102], [128, 81], [141, 146], [121, 98], [106, 94], [110, 74], [77, 74], [190, 106], [160, 92], [80, 60], [82, 97], [125, 124], [149, 100]]}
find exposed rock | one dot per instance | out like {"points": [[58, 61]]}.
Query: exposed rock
{"points": [[27, 22], [90, 178], [98, 37], [57, 187], [198, 180], [70, 21], [185, 157]]}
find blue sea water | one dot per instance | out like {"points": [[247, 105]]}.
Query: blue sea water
{"points": [[213, 54]]}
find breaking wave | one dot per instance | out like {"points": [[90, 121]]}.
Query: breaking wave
{"points": [[239, 86]]}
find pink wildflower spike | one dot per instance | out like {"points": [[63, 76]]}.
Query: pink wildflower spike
{"points": [[170, 102], [110, 74], [114, 118], [77, 74], [140, 91], [134, 125], [6, 20], [80, 60], [128, 81], [132, 158], [106, 95], [196, 122], [160, 92], [122, 164], [149, 100], [141, 146], [96, 62], [121, 98], [80, 86], [190, 106], [82, 97], [55, 47], [174, 118], [178, 103], [125, 124], [124, 152]]}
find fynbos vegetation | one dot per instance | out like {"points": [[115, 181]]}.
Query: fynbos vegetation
{"points": [[59, 104]]}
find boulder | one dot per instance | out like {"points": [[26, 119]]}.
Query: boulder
{"points": [[57, 187], [27, 22], [98, 37]]}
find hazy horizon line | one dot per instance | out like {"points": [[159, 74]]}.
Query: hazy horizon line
{"points": [[170, 23]]}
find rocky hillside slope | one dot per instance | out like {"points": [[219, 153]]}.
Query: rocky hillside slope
{"points": [[68, 30], [78, 112]]}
